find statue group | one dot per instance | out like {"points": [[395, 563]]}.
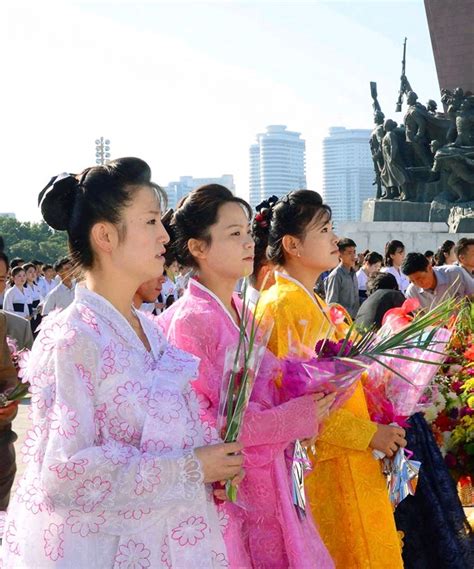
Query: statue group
{"points": [[428, 147]]}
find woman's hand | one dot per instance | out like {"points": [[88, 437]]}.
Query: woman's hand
{"points": [[221, 494], [7, 414], [388, 439], [220, 462], [323, 405]]}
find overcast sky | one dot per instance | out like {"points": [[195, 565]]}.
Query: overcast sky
{"points": [[187, 85]]}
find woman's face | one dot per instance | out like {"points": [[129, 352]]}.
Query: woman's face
{"points": [[450, 257], [19, 279], [31, 275], [231, 251], [398, 257], [140, 252], [375, 268], [318, 249]]}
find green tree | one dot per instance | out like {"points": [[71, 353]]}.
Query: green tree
{"points": [[32, 240]]}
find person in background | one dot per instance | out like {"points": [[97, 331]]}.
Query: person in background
{"points": [[33, 294], [432, 285], [16, 262], [169, 292], [47, 281], [372, 264], [445, 255], [430, 256], [383, 294], [8, 379], [147, 295], [464, 252], [360, 259], [394, 256], [62, 294], [341, 284], [3, 276], [15, 299], [38, 268]]}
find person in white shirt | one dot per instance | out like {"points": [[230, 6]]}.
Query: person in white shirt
{"points": [[15, 299], [465, 254], [432, 285], [47, 281], [394, 257], [147, 295], [371, 265], [445, 254], [63, 294]]}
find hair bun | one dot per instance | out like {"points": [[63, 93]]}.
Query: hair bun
{"points": [[56, 200]]}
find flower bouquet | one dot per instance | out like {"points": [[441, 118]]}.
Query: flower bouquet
{"points": [[241, 366]]}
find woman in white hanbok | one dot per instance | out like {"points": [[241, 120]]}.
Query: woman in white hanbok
{"points": [[117, 456]]}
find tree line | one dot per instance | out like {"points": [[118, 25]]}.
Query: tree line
{"points": [[30, 240]]}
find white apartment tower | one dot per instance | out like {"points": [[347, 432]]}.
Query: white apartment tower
{"points": [[348, 172], [277, 164], [177, 190]]}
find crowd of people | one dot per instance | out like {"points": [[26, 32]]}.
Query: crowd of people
{"points": [[125, 463]]}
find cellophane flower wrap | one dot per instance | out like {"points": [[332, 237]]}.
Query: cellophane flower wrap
{"points": [[241, 366], [394, 386]]}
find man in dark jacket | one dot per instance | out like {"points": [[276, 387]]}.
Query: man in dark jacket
{"points": [[8, 379]]}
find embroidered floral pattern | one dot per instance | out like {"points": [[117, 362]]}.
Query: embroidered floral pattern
{"points": [[190, 531], [133, 555], [53, 542]]}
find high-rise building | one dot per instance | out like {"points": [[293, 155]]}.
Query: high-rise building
{"points": [[348, 172], [452, 38], [177, 190], [277, 164]]}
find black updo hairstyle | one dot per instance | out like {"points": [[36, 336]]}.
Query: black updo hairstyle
{"points": [[443, 252], [391, 247], [292, 215], [194, 216], [74, 203], [260, 227]]}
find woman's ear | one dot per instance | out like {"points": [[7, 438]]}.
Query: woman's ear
{"points": [[291, 245], [197, 248], [104, 237]]}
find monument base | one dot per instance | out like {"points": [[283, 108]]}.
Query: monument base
{"points": [[416, 236]]}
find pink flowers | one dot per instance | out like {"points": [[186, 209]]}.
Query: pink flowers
{"points": [[165, 406], [132, 394], [58, 336], [64, 421], [43, 390], [133, 555], [33, 447], [54, 541], [148, 476], [190, 531], [92, 493], [71, 469], [115, 359], [85, 523]]}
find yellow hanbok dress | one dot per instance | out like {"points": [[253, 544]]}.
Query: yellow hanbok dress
{"points": [[346, 488]]}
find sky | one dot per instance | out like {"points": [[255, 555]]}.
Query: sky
{"points": [[187, 85]]}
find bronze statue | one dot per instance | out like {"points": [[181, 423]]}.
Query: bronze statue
{"points": [[375, 142], [393, 175], [415, 125]]}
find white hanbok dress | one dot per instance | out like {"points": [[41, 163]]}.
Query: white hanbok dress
{"points": [[111, 480]]}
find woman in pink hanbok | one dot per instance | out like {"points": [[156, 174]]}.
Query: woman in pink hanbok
{"points": [[211, 233], [118, 459]]}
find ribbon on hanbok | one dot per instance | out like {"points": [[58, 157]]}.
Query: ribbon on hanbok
{"points": [[402, 475]]}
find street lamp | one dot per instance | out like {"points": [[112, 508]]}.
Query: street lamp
{"points": [[102, 147]]}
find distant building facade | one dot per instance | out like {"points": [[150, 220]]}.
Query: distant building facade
{"points": [[452, 37], [177, 190], [347, 172], [277, 164]]}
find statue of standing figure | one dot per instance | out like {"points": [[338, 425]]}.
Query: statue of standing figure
{"points": [[394, 176], [415, 126], [375, 142]]}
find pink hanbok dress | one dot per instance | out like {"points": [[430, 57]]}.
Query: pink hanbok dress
{"points": [[111, 480], [263, 530]]}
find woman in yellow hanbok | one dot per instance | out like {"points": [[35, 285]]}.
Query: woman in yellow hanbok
{"points": [[346, 488]]}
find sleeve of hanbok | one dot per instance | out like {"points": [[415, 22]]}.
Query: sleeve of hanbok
{"points": [[264, 423], [76, 468], [343, 430]]}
